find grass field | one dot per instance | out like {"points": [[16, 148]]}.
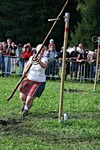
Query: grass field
{"points": [[41, 130]]}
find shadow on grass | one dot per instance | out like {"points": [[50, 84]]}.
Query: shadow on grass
{"points": [[49, 115]]}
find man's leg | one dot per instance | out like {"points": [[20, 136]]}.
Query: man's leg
{"points": [[23, 98], [28, 104]]}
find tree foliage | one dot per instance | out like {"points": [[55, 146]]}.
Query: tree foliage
{"points": [[89, 24], [27, 21]]}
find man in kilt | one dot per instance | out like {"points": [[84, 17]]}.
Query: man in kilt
{"points": [[34, 83]]}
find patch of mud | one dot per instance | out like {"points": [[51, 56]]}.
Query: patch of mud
{"points": [[8, 121], [74, 91]]}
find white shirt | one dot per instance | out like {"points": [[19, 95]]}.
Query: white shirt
{"points": [[36, 72], [79, 50]]}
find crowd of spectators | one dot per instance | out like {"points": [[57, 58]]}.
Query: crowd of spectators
{"points": [[79, 64], [12, 54]]}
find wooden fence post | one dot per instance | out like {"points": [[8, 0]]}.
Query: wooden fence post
{"points": [[66, 19], [96, 73]]}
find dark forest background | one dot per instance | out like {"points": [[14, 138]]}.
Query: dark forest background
{"points": [[27, 21]]}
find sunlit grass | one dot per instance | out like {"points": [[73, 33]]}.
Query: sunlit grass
{"points": [[41, 130]]}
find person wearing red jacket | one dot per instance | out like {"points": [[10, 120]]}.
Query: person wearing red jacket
{"points": [[27, 54]]}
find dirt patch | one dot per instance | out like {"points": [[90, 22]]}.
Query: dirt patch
{"points": [[74, 91], [8, 121]]}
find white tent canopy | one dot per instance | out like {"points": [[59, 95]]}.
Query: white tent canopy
{"points": [[70, 49]]}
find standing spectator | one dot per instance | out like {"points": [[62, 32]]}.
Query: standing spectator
{"points": [[51, 42], [52, 53], [27, 54], [80, 48], [60, 56], [74, 64], [4, 45], [20, 63], [93, 65], [7, 62], [83, 60], [13, 57], [1, 60]]}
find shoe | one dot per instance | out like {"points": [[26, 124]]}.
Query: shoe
{"points": [[25, 113], [22, 108]]}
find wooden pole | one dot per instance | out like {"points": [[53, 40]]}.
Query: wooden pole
{"points": [[67, 15], [96, 74]]}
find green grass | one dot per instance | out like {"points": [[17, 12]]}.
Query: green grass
{"points": [[41, 130]]}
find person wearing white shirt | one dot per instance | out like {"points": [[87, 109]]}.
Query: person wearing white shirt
{"points": [[34, 83]]}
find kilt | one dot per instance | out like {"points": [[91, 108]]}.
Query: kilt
{"points": [[31, 88]]}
